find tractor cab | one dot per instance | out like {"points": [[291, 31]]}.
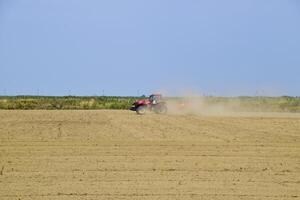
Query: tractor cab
{"points": [[155, 98]]}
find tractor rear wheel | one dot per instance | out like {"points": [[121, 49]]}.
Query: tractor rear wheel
{"points": [[160, 108]]}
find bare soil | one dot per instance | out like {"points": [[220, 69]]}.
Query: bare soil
{"points": [[63, 155]]}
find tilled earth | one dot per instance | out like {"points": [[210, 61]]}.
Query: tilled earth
{"points": [[119, 155]]}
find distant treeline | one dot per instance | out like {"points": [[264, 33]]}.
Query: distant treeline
{"points": [[272, 104]]}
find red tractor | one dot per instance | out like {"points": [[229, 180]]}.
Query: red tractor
{"points": [[154, 103]]}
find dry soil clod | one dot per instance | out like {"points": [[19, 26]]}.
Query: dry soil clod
{"points": [[2, 169]]}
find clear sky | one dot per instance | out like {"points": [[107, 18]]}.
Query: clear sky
{"points": [[130, 47]]}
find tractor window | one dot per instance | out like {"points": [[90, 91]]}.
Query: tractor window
{"points": [[151, 98], [154, 98]]}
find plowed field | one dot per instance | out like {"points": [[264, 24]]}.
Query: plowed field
{"points": [[64, 155]]}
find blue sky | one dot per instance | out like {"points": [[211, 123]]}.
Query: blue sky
{"points": [[130, 47]]}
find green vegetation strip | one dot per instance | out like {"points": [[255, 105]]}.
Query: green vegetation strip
{"points": [[64, 103], [273, 104]]}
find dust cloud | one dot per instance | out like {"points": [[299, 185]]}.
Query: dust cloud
{"points": [[200, 106], [197, 104]]}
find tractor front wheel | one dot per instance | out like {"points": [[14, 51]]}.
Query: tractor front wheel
{"points": [[141, 110]]}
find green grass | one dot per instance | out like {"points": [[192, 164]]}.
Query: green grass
{"points": [[270, 104], [64, 103], [257, 104]]}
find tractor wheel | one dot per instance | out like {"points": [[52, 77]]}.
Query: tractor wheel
{"points": [[141, 110], [160, 109]]}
